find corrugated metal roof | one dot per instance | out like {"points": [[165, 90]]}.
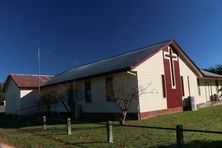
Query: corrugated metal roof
{"points": [[29, 81], [210, 74], [115, 63]]}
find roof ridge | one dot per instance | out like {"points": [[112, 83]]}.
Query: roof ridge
{"points": [[30, 75], [127, 52]]}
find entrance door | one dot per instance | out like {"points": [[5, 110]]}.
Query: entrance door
{"points": [[172, 74]]}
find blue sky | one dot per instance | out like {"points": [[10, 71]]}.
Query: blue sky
{"points": [[72, 33]]}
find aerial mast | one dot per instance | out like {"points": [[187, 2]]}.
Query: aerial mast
{"points": [[39, 71]]}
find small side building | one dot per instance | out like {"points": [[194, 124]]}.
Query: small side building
{"points": [[21, 90], [208, 87]]}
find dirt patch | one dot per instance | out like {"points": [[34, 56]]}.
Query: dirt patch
{"points": [[4, 145]]}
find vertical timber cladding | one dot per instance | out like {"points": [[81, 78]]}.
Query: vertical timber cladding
{"points": [[172, 74]]}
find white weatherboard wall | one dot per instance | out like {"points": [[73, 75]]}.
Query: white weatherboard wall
{"points": [[12, 98], [27, 100], [99, 103], [149, 76], [186, 72]]}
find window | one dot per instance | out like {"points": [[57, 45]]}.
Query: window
{"points": [[2, 103], [88, 92], [182, 85], [109, 89], [198, 85], [163, 85], [188, 84], [217, 86]]}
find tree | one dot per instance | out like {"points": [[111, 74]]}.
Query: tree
{"points": [[1, 86], [47, 98], [215, 69], [123, 92], [67, 94], [2, 95]]}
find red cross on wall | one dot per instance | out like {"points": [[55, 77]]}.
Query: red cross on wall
{"points": [[171, 56]]}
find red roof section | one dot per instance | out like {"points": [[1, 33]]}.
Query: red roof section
{"points": [[29, 81]]}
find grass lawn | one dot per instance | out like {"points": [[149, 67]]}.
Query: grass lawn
{"points": [[94, 135]]}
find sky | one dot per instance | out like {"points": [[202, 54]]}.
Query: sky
{"points": [[71, 33]]}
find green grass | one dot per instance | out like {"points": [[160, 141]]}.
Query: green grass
{"points": [[94, 135]]}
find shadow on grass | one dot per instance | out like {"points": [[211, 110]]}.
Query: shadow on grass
{"points": [[9, 121], [65, 143], [60, 130], [87, 128], [197, 144]]}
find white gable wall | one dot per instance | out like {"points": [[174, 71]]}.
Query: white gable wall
{"points": [[12, 98], [149, 76], [186, 72], [24, 93]]}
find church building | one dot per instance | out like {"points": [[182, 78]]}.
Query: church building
{"points": [[169, 75]]}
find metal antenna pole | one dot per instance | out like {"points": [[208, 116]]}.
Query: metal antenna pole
{"points": [[39, 71]]}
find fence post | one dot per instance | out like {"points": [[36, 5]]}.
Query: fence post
{"points": [[109, 132], [69, 126], [179, 136], [44, 122]]}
